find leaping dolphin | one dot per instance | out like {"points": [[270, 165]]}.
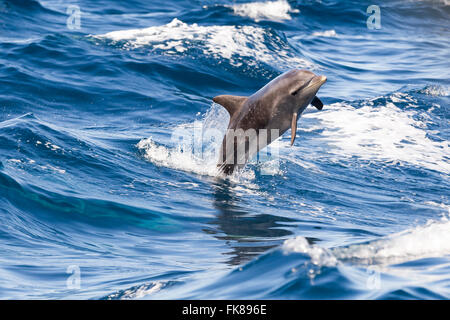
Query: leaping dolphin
{"points": [[272, 110]]}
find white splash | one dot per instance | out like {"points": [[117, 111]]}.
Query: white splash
{"points": [[195, 148], [190, 150], [319, 256], [429, 240], [233, 43], [381, 133], [270, 10], [176, 158]]}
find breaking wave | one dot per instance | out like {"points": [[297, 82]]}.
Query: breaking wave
{"points": [[236, 44]]}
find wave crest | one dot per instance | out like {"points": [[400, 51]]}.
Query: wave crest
{"points": [[236, 44], [270, 10], [429, 240]]}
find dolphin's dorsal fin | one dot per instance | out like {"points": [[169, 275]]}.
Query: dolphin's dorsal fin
{"points": [[317, 103], [231, 103], [293, 127]]}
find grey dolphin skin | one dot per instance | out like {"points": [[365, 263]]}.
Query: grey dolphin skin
{"points": [[259, 119]]}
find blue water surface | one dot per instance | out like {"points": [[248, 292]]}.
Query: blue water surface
{"points": [[101, 199]]}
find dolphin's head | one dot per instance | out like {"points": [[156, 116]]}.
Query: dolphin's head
{"points": [[288, 95], [299, 88]]}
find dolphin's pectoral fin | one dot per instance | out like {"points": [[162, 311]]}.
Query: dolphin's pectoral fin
{"points": [[317, 103], [231, 103], [293, 128]]}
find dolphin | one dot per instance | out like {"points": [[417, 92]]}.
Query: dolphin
{"points": [[259, 119]]}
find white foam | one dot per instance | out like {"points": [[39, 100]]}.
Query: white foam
{"points": [[20, 41], [51, 146], [429, 240], [381, 133], [435, 90], [270, 10], [139, 292], [326, 33], [15, 160], [319, 256], [233, 43]]}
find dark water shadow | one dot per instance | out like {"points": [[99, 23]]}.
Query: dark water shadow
{"points": [[248, 233]]}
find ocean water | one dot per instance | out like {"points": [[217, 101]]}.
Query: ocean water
{"points": [[104, 193]]}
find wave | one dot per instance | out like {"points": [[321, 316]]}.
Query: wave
{"points": [[300, 269], [36, 203], [239, 45], [429, 240], [137, 292], [47, 147], [303, 270], [29, 6]]}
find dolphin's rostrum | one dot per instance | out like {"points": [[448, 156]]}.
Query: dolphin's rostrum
{"points": [[259, 119]]}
